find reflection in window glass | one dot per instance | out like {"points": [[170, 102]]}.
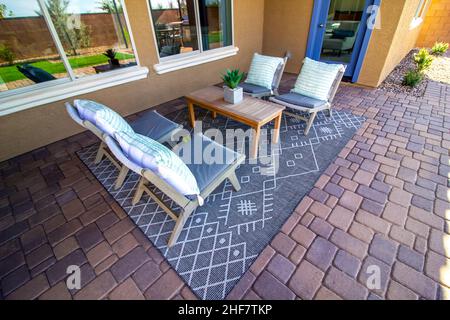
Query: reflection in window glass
{"points": [[27, 51], [215, 18], [343, 25], [94, 34], [175, 26]]}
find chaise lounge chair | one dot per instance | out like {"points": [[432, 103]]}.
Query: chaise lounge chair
{"points": [[103, 122], [35, 74], [178, 177], [314, 91], [264, 77]]}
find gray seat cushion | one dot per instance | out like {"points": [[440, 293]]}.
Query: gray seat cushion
{"points": [[254, 89], [301, 100], [153, 125], [206, 172]]}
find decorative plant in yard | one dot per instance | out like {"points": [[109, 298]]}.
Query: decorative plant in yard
{"points": [[423, 59], [232, 93], [73, 34], [111, 54], [439, 48], [413, 78], [7, 54], [4, 12]]}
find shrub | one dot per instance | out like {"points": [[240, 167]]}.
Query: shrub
{"points": [[412, 78], [7, 54], [232, 78], [439, 48], [110, 53], [423, 59]]}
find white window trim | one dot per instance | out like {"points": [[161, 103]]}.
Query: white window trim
{"points": [[191, 59], [39, 94], [194, 60], [65, 88]]}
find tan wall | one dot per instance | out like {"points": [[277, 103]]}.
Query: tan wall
{"points": [[390, 44], [27, 130], [437, 24], [287, 23], [286, 27]]}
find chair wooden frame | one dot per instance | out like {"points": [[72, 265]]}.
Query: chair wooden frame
{"points": [[187, 205], [311, 113]]}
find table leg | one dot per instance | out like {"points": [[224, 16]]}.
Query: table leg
{"points": [[214, 115], [276, 131], [191, 114], [256, 135]]}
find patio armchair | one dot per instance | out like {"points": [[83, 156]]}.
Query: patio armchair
{"points": [[176, 174], [314, 91], [35, 74], [265, 76], [104, 122]]}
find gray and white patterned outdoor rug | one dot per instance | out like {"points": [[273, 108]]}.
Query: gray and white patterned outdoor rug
{"points": [[225, 236]]}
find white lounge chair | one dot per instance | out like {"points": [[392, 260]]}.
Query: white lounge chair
{"points": [[151, 124], [208, 177]]}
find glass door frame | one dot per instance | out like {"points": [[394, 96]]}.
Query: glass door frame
{"points": [[317, 33]]}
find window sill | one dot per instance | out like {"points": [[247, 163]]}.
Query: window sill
{"points": [[52, 92], [194, 60]]}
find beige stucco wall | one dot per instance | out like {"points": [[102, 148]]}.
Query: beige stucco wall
{"points": [[27, 130], [437, 24], [390, 44], [286, 27]]}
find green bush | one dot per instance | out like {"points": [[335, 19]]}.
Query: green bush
{"points": [[439, 48], [7, 54], [412, 78], [232, 78], [423, 59]]}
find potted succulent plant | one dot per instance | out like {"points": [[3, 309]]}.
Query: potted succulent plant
{"points": [[232, 92], [111, 54]]}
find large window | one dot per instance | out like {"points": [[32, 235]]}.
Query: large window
{"points": [[44, 41], [187, 26]]}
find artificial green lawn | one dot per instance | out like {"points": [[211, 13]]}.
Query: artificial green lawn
{"points": [[10, 73]]}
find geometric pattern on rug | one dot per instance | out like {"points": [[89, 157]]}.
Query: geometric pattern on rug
{"points": [[225, 236]]}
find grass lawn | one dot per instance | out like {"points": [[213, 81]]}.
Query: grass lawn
{"points": [[10, 73], [214, 37]]}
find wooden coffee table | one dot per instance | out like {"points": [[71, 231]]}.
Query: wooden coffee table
{"points": [[251, 111]]}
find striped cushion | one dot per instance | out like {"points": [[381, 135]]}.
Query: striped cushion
{"points": [[316, 79], [102, 117], [152, 155], [262, 70]]}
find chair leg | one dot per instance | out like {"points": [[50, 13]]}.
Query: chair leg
{"points": [[182, 218], [234, 181], [139, 192], [100, 153], [121, 178], [330, 113], [310, 122]]}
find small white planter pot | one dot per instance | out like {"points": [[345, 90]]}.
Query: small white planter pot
{"points": [[233, 96]]}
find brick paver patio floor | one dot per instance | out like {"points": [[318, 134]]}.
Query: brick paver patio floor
{"points": [[384, 202]]}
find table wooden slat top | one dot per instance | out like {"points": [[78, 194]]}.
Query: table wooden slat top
{"points": [[250, 110]]}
